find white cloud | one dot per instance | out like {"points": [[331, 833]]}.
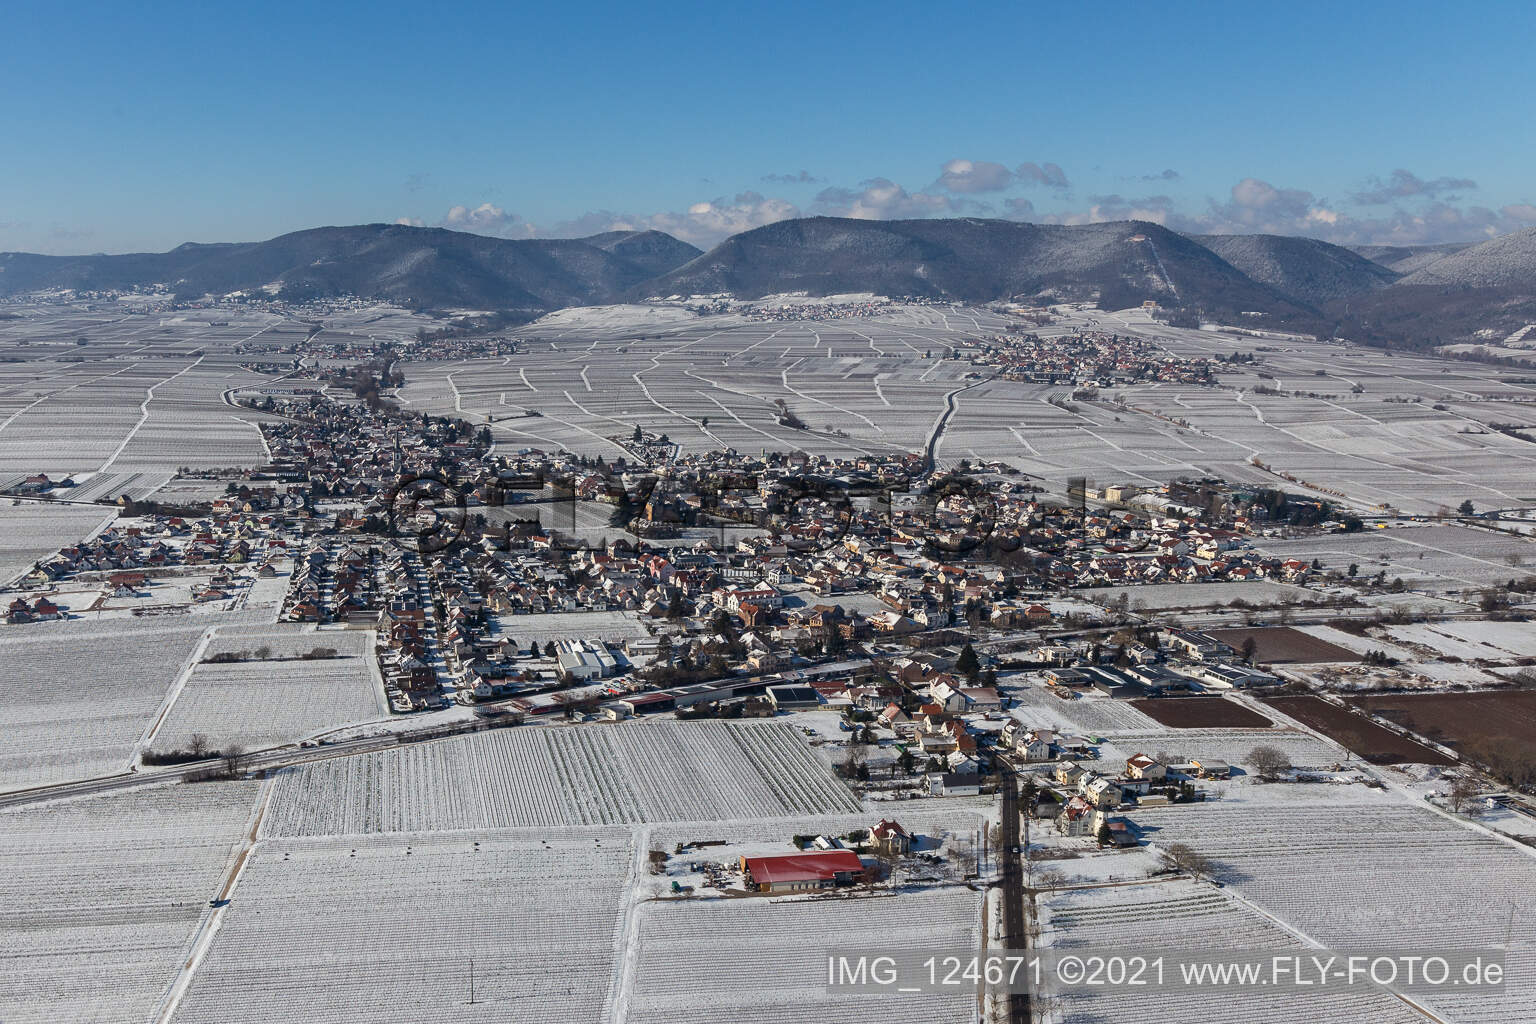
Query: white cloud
{"points": [[1252, 206], [883, 199], [487, 219], [708, 223], [968, 176]]}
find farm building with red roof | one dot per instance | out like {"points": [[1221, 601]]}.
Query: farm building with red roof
{"points": [[800, 872]]}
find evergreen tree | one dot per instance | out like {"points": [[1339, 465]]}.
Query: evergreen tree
{"points": [[968, 664]]}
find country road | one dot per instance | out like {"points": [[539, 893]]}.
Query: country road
{"points": [[1016, 936], [932, 446]]}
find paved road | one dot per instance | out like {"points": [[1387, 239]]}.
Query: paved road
{"points": [[938, 428], [1016, 936]]}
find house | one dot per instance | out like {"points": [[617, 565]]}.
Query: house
{"points": [[1133, 787], [930, 717], [894, 623], [937, 744], [1036, 745], [1120, 834], [952, 784], [889, 837], [1054, 654], [1069, 772], [802, 872], [894, 718], [1140, 766], [1032, 744], [1099, 791], [1076, 818], [1210, 768], [962, 762], [763, 662], [1075, 746]]}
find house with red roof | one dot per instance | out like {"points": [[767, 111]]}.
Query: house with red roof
{"points": [[890, 837]]}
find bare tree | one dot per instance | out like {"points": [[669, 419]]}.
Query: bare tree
{"points": [[1051, 878], [1268, 761], [853, 760], [566, 702], [1463, 788], [965, 859], [197, 746], [1185, 858], [234, 760]]}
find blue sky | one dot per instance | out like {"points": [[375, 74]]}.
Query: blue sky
{"points": [[138, 127]]}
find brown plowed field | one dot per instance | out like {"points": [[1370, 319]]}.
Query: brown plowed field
{"points": [[1201, 713], [1282, 645], [1463, 720], [1372, 742]]}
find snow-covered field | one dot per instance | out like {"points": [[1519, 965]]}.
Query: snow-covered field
{"points": [[75, 697], [100, 897], [126, 414], [1160, 917], [30, 531], [541, 629], [1350, 870], [264, 703], [1439, 558], [632, 772], [1158, 596], [757, 961], [1231, 745], [1037, 707], [383, 929], [1493, 641]]}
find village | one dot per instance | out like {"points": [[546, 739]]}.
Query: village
{"points": [[729, 693]]}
